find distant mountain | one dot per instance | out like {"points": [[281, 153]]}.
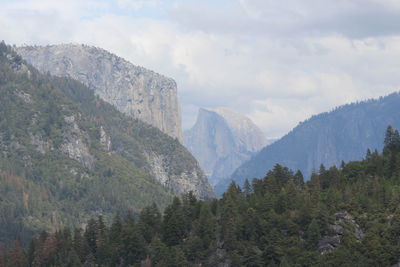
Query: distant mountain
{"points": [[328, 138], [133, 90], [66, 155], [221, 140]]}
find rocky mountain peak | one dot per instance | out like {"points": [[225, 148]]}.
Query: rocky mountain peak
{"points": [[134, 90], [221, 140], [246, 133]]}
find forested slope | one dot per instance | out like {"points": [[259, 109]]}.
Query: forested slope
{"points": [[347, 216], [66, 155]]}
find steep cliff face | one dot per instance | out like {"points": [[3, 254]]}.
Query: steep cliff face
{"points": [[76, 156], [328, 138], [246, 134], [134, 90], [221, 140], [190, 179]]}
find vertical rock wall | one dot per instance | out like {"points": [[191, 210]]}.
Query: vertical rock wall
{"points": [[133, 90]]}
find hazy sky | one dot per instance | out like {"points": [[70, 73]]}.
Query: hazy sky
{"points": [[276, 61]]}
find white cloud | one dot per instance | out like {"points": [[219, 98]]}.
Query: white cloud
{"points": [[138, 4], [277, 61]]}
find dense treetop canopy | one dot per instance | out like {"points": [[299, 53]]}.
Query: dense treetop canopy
{"points": [[343, 216]]}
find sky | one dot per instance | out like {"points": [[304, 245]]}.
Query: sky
{"points": [[276, 61]]}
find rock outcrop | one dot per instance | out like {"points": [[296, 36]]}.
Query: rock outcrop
{"points": [[190, 179], [134, 90], [221, 140], [343, 222], [76, 143]]}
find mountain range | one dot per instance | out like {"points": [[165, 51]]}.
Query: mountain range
{"points": [[343, 134]]}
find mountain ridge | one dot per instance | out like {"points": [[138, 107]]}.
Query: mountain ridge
{"points": [[345, 133]]}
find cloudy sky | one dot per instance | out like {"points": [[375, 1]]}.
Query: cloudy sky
{"points": [[277, 61]]}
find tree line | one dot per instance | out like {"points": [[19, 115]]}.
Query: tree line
{"points": [[279, 220]]}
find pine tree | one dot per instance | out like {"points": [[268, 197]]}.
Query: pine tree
{"points": [[158, 251], [114, 240], [388, 142], [205, 228], [247, 189], [298, 179], [32, 250], [173, 225], [368, 155], [133, 247], [116, 230], [322, 169], [103, 248], [91, 235], [230, 216], [313, 234], [175, 258], [79, 244], [17, 257], [150, 222], [396, 141]]}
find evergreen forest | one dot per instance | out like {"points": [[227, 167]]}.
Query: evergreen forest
{"points": [[343, 216]]}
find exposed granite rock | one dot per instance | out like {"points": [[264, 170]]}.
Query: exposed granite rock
{"points": [[24, 96], [329, 243], [41, 145], [221, 140], [17, 65], [75, 144], [105, 139], [246, 134], [134, 90], [190, 180], [343, 222]]}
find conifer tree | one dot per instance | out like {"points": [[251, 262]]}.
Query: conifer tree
{"points": [[298, 179], [91, 235], [173, 225], [150, 222], [133, 247], [313, 234], [79, 245], [388, 142], [247, 189]]}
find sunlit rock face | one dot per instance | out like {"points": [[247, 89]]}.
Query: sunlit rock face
{"points": [[221, 140], [134, 90]]}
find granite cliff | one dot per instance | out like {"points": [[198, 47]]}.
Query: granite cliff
{"points": [[133, 90], [221, 140]]}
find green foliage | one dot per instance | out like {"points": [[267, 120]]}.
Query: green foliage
{"points": [[41, 187], [275, 221], [173, 226]]}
